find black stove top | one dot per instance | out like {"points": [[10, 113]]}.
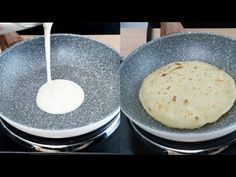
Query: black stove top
{"points": [[109, 145], [123, 141], [133, 144]]}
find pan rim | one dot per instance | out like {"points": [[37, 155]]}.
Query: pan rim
{"points": [[62, 133], [181, 137]]}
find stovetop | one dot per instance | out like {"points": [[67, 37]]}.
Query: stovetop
{"points": [[123, 141], [105, 146], [133, 144]]}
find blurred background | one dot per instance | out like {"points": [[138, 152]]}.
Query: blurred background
{"points": [[185, 24], [135, 34], [76, 28]]}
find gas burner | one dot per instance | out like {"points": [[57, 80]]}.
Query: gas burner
{"points": [[210, 147], [64, 144]]}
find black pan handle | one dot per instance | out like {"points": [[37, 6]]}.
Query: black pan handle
{"points": [[149, 32]]}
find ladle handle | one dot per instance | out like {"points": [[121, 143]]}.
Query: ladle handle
{"points": [[8, 39]]}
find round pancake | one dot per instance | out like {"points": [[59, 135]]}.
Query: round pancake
{"points": [[187, 94]]}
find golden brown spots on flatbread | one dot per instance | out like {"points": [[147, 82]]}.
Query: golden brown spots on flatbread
{"points": [[190, 94], [149, 108], [179, 67], [188, 113], [219, 80], [174, 98], [159, 105], [178, 63], [186, 102]]}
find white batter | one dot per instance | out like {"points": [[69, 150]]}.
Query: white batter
{"points": [[57, 96]]}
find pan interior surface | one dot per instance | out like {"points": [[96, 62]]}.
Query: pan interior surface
{"points": [[217, 50], [91, 64]]}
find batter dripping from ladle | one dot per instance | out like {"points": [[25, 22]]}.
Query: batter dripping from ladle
{"points": [[57, 96]]}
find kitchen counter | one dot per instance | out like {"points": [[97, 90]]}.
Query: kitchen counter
{"points": [[131, 38]]}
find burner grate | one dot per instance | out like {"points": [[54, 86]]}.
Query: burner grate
{"points": [[61, 145], [210, 147]]}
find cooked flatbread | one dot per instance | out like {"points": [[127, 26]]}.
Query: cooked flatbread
{"points": [[187, 95]]}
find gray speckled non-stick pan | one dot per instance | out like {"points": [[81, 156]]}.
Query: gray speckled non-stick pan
{"points": [[91, 64], [215, 49]]}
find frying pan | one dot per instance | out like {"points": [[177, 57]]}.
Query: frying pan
{"points": [[218, 50], [89, 63]]}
